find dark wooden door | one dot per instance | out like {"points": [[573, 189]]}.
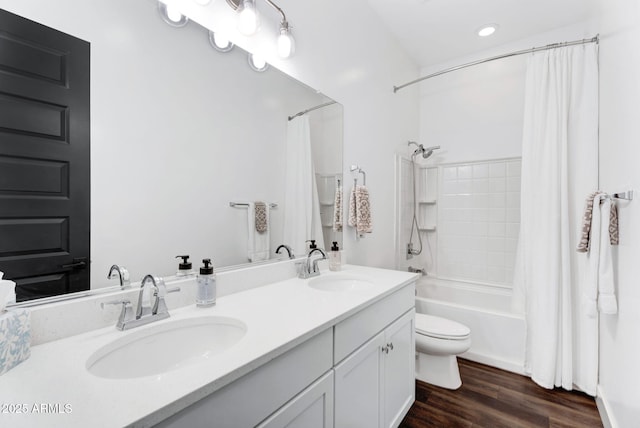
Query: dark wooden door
{"points": [[44, 158]]}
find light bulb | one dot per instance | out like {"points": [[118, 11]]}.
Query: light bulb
{"points": [[247, 17], [257, 62], [173, 14], [285, 42], [220, 42]]}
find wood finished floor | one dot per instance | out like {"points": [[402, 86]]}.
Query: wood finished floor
{"points": [[493, 398]]}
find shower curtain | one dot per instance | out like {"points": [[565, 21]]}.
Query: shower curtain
{"points": [[301, 204], [559, 168]]}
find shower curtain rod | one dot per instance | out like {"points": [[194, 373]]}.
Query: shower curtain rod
{"points": [[595, 39], [311, 109]]}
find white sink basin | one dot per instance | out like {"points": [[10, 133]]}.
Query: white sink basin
{"points": [[340, 283], [165, 347]]}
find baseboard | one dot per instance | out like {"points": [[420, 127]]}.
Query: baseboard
{"points": [[498, 363], [603, 409]]}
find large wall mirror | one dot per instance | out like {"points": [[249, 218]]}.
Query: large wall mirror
{"points": [[178, 132]]}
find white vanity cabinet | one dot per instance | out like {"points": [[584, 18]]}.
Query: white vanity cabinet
{"points": [[358, 373], [375, 384]]}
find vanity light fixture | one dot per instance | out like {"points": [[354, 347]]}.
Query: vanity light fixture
{"points": [[248, 23], [487, 30], [257, 63], [219, 42], [171, 15], [202, 2]]}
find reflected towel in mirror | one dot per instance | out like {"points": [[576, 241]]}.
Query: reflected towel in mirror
{"points": [[257, 243], [337, 210]]}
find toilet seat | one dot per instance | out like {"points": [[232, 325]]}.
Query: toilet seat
{"points": [[441, 328]]}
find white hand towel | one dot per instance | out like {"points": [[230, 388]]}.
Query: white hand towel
{"points": [[607, 303], [598, 292], [258, 243]]}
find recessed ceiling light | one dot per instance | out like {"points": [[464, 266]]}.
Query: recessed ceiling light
{"points": [[487, 30]]}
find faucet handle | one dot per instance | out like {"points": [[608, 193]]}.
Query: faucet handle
{"points": [[122, 302], [160, 306], [126, 314], [162, 291]]}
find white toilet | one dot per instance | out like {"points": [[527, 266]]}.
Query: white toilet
{"points": [[438, 341]]}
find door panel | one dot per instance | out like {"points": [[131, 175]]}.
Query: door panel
{"points": [[44, 158]]}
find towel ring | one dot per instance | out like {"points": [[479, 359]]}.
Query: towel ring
{"points": [[359, 170]]}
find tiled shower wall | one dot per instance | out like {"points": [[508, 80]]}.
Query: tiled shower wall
{"points": [[478, 221]]}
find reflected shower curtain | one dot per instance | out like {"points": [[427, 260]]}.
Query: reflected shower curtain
{"points": [[559, 169], [301, 204]]}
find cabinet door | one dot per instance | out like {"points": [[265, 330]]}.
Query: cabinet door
{"points": [[358, 387], [312, 408], [399, 367]]}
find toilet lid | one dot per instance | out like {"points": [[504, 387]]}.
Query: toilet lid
{"points": [[442, 328]]}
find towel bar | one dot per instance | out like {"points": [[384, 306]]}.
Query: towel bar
{"points": [[245, 205], [627, 196]]}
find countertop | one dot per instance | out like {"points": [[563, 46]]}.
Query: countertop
{"points": [[53, 387]]}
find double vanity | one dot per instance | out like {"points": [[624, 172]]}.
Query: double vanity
{"points": [[276, 350]]}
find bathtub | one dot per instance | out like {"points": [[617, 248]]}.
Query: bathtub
{"points": [[497, 333]]}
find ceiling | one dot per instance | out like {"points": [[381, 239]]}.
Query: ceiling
{"points": [[436, 31]]}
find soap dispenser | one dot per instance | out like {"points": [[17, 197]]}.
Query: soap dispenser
{"points": [[206, 293], [312, 245], [184, 268], [335, 259]]}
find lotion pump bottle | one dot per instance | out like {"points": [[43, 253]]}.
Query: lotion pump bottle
{"points": [[335, 259], [206, 293]]}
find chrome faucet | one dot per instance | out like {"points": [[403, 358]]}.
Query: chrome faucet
{"points": [[145, 313], [122, 273], [288, 248], [309, 267]]}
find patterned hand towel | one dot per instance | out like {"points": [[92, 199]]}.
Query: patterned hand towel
{"points": [[337, 210], [583, 245], [261, 216], [351, 221], [363, 210]]}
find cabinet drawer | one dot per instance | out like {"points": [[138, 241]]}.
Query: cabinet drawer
{"points": [[313, 408], [351, 333], [253, 397]]}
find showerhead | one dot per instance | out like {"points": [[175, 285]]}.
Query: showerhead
{"points": [[426, 152]]}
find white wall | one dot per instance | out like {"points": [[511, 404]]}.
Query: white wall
{"points": [[178, 130], [619, 155]]}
